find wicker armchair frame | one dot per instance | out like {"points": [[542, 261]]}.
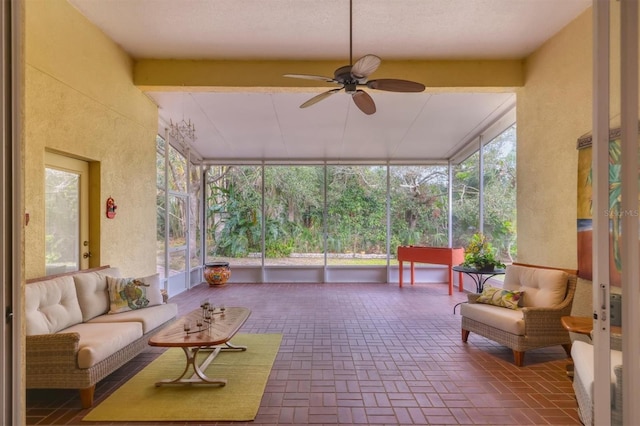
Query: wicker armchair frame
{"points": [[542, 327]]}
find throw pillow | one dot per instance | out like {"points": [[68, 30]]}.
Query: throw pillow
{"points": [[126, 294], [500, 297]]}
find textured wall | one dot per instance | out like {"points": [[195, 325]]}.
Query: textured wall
{"points": [[80, 100], [554, 109]]}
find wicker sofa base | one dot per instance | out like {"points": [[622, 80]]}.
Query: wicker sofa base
{"points": [[585, 408], [519, 344], [52, 363], [585, 402]]}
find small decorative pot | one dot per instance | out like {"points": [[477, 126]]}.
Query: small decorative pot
{"points": [[217, 273]]}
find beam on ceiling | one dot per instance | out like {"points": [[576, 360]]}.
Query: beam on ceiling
{"points": [[218, 75]]}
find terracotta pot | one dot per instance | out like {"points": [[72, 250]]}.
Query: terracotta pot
{"points": [[217, 273]]}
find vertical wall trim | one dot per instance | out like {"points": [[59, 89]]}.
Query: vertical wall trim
{"points": [[629, 208], [600, 167]]}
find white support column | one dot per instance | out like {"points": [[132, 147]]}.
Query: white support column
{"points": [[481, 183], [187, 265], [450, 203], [388, 213], [166, 210]]}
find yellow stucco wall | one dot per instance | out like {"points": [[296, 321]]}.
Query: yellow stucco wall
{"points": [[80, 100], [553, 110]]}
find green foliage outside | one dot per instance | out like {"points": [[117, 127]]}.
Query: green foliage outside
{"points": [[344, 207]]}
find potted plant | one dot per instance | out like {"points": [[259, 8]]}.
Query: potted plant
{"points": [[481, 255]]}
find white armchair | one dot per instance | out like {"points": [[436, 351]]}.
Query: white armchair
{"points": [[544, 295]]}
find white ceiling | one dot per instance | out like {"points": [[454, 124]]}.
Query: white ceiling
{"points": [[262, 125]]}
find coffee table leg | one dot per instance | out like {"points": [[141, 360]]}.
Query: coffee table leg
{"points": [[234, 347], [198, 377]]}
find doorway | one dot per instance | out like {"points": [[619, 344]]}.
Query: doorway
{"points": [[66, 214]]}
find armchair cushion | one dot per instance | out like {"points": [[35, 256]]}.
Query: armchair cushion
{"points": [[542, 287], [508, 320], [500, 297]]}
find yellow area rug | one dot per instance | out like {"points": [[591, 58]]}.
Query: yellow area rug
{"points": [[246, 373]]}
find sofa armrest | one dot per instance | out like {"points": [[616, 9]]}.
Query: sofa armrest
{"points": [[616, 341], [541, 320], [617, 392], [472, 297], [53, 352]]}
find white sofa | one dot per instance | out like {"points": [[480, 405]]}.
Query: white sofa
{"points": [[583, 376], [582, 356], [73, 341]]}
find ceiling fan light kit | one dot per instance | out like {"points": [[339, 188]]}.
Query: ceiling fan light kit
{"points": [[351, 76]]}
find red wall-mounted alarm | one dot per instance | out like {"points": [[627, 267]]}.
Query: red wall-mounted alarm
{"points": [[111, 208]]}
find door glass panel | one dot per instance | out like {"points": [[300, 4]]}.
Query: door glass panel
{"points": [[466, 200], [177, 221], [195, 214], [62, 221], [177, 260]]}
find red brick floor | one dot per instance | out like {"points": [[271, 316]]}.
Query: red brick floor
{"points": [[367, 354]]}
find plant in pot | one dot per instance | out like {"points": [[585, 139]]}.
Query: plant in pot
{"points": [[481, 255]]}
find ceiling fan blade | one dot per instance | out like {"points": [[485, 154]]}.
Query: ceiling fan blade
{"points": [[320, 97], [365, 66], [395, 85], [364, 102], [310, 77]]}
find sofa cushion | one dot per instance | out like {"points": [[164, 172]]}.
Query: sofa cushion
{"points": [[99, 341], [126, 294], [509, 320], [541, 287], [93, 295], [150, 318], [499, 297], [51, 306], [582, 356]]}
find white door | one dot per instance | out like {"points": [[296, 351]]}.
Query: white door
{"points": [[66, 214]]}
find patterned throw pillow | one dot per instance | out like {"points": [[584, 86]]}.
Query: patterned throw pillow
{"points": [[500, 297], [126, 294]]}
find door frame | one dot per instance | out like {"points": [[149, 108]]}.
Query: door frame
{"points": [[12, 405]]}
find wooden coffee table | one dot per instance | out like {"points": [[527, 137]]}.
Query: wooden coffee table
{"points": [[212, 337]]}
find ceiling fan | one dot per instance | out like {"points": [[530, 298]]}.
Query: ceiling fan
{"points": [[352, 76]]}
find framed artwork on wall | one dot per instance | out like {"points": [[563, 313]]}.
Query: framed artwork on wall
{"points": [[585, 207]]}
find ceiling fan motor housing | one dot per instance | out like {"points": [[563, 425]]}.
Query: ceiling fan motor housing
{"points": [[343, 75]]}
